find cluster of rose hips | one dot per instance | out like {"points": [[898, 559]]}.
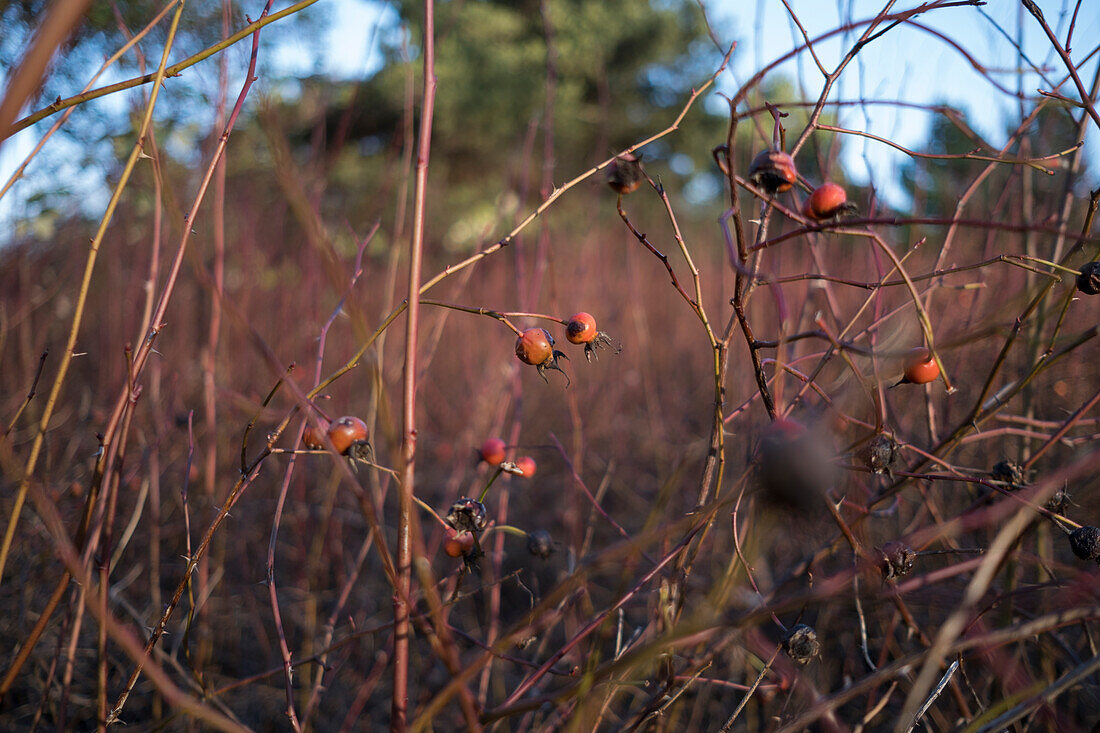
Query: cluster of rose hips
{"points": [[493, 452], [467, 517], [348, 435], [783, 449], [535, 346], [773, 171]]}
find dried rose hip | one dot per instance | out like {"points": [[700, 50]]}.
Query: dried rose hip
{"points": [[625, 173], [1088, 282], [1085, 543], [1010, 473], [880, 454], [801, 644], [773, 171], [468, 514], [897, 560]]}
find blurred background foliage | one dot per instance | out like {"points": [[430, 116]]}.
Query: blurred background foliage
{"points": [[529, 93]]}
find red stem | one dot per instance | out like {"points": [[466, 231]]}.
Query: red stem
{"points": [[399, 709]]}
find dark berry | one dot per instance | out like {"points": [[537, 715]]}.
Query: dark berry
{"points": [[1088, 282], [540, 543], [1085, 542], [773, 171], [1059, 502]]}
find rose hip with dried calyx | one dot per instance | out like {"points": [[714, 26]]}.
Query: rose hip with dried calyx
{"points": [[535, 346], [526, 466], [897, 560], [468, 514], [828, 201], [880, 454], [1010, 473], [581, 329], [349, 436]]}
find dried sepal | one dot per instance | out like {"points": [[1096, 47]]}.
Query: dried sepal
{"points": [[468, 514], [897, 560]]}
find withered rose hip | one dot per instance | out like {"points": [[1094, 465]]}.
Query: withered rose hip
{"points": [[773, 171], [468, 514], [1085, 543], [801, 644], [897, 560], [1059, 502], [625, 174], [880, 454], [1088, 282], [1009, 473]]}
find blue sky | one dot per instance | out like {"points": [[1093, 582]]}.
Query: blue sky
{"points": [[907, 64], [915, 66]]}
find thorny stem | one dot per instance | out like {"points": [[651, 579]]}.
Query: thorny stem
{"points": [[407, 522], [502, 316], [68, 113], [402, 590], [173, 70], [68, 354], [656, 253], [147, 346]]}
